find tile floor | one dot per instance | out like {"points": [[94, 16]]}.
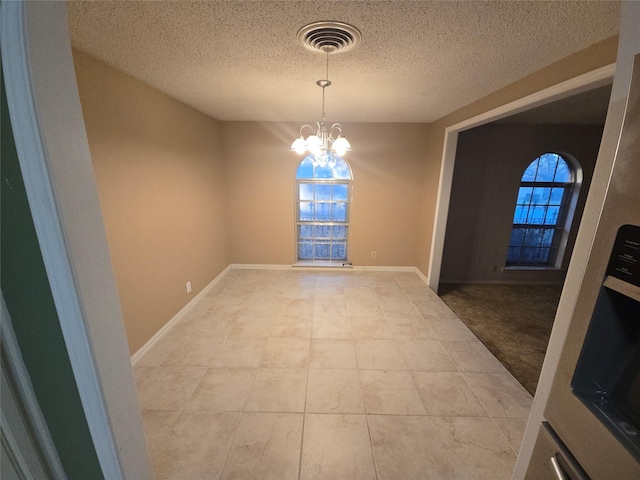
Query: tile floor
{"points": [[307, 374]]}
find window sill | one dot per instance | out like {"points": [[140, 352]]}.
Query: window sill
{"points": [[533, 268], [323, 264]]}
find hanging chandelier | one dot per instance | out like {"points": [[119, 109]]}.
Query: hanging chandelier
{"points": [[323, 142]]}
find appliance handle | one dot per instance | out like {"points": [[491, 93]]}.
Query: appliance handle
{"points": [[557, 469]]}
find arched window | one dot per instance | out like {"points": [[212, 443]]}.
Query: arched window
{"points": [[543, 213], [323, 195]]}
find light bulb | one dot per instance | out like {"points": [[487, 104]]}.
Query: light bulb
{"points": [[313, 143], [298, 146], [341, 146]]}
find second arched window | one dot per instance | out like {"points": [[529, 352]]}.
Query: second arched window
{"points": [[541, 214]]}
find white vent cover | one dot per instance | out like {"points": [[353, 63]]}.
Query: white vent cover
{"points": [[329, 36]]}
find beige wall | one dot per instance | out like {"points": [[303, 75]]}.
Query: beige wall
{"points": [[490, 161], [184, 195], [589, 59], [388, 170], [160, 178]]}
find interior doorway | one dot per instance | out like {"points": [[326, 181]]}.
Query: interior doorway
{"points": [[511, 308]]}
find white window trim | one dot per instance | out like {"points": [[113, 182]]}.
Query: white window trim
{"points": [[346, 224], [567, 211], [345, 181]]}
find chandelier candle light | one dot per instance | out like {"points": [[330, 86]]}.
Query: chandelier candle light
{"points": [[322, 143]]}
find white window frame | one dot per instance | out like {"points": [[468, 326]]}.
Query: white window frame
{"points": [[299, 222], [320, 180], [566, 214]]}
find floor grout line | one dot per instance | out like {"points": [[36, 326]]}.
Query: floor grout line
{"points": [[304, 414], [233, 439]]}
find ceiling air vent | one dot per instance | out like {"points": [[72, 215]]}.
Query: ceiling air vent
{"points": [[329, 37]]}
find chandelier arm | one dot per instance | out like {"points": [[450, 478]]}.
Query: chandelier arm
{"points": [[335, 127], [305, 125]]}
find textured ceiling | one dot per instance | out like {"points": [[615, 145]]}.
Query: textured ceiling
{"points": [[418, 60]]}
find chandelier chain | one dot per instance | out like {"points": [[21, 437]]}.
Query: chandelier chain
{"points": [[325, 84], [323, 114], [322, 144]]}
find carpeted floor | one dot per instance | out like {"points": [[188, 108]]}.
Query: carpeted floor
{"points": [[513, 321]]}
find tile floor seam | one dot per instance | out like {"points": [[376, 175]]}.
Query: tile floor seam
{"points": [[482, 404], [364, 403], [246, 400], [373, 454], [304, 418], [443, 347], [493, 420], [233, 439], [304, 413]]}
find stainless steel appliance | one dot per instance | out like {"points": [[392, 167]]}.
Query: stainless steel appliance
{"points": [[592, 427]]}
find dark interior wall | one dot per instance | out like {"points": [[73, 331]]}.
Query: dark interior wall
{"points": [[490, 161], [29, 300]]}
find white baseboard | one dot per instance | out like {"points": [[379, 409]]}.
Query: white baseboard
{"points": [[499, 282], [421, 275], [320, 266], [136, 357], [383, 269]]}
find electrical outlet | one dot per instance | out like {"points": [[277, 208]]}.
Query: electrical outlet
{"points": [[373, 254], [188, 287]]}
